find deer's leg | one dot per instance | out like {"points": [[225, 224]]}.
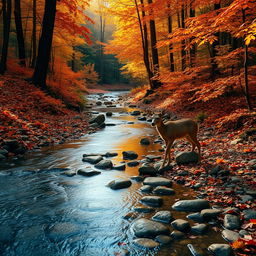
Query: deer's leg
{"points": [[191, 142], [169, 152], [197, 145]]}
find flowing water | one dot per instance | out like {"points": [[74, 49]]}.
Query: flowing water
{"points": [[43, 212]]}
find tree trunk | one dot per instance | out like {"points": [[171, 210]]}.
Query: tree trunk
{"points": [[171, 56], [33, 61], [19, 32], [7, 12], [45, 44], [192, 51], [154, 52], [183, 52]]}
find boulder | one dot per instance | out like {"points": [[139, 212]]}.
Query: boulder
{"points": [[199, 229], [104, 164], [154, 201], [210, 213], [133, 163], [161, 190], [144, 141], [148, 228], [157, 181], [146, 189], [187, 157], [163, 216], [119, 184], [197, 217], [191, 205], [177, 235], [93, 159], [129, 155], [99, 119], [162, 239], [231, 221], [145, 243], [220, 249], [147, 170], [230, 236], [109, 114], [88, 173], [181, 225], [120, 167]]}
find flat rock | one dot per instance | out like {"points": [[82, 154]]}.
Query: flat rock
{"points": [[69, 173], [230, 236], [231, 221], [148, 228], [133, 163], [187, 157], [151, 158], [181, 225], [137, 178], [98, 119], [177, 234], [143, 209], [88, 173], [162, 239], [249, 214], [92, 159], [157, 181], [146, 189], [104, 164], [199, 229], [154, 201], [145, 243], [195, 217], [191, 205], [147, 170], [144, 141], [135, 113], [210, 213], [161, 190], [119, 184], [111, 154], [129, 155], [109, 114], [163, 216], [120, 167], [220, 249]]}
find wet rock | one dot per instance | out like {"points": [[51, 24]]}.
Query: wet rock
{"points": [[137, 178], [142, 118], [93, 159], [145, 243], [220, 249], [195, 217], [129, 155], [132, 106], [157, 181], [163, 216], [249, 214], [148, 228], [177, 235], [162, 239], [2, 157], [119, 184], [187, 157], [161, 190], [144, 141], [104, 164], [143, 209], [146, 189], [181, 225], [152, 158], [109, 114], [135, 113], [246, 198], [230, 236], [69, 173], [210, 213], [98, 103], [154, 201], [133, 163], [62, 229], [231, 222], [88, 173], [100, 119], [130, 216], [147, 170], [111, 154], [191, 205], [199, 229], [214, 171], [251, 193], [3, 152], [163, 169], [120, 167]]}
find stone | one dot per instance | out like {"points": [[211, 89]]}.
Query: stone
{"points": [[161, 190], [143, 209], [236, 141], [111, 154], [210, 213], [120, 167], [69, 173], [135, 113], [146, 189], [181, 225], [230, 236], [130, 216], [133, 163], [220, 249], [119, 184], [177, 235], [163, 216], [142, 118], [151, 158], [231, 221], [199, 229], [191, 205], [154, 201], [246, 198], [93, 159], [109, 114], [243, 233], [104, 164], [147, 170], [129, 155], [187, 157], [162, 239], [137, 178], [249, 214], [3, 152], [88, 173], [157, 181], [2, 157], [145, 243], [195, 217], [251, 193], [214, 171], [148, 228], [144, 141], [98, 103], [100, 119]]}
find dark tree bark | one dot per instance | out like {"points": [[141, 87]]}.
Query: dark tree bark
{"points": [[154, 52], [183, 52], [7, 12], [34, 44], [45, 44], [171, 56], [19, 32], [192, 51]]}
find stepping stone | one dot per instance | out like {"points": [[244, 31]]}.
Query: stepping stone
{"points": [[129, 155], [191, 205], [119, 184], [181, 225], [195, 217], [157, 181], [111, 154], [147, 170], [137, 178], [161, 190], [151, 158], [162, 239], [146, 189], [163, 216], [177, 235], [145, 243], [230, 236], [143, 209], [220, 249], [133, 163], [135, 113], [98, 119], [69, 173], [154, 201], [199, 229], [148, 228], [210, 213], [231, 221], [120, 167], [104, 164], [249, 214], [187, 157], [93, 159], [88, 173], [144, 141]]}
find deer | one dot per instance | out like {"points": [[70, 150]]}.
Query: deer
{"points": [[172, 130]]}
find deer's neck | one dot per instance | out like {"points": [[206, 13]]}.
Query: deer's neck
{"points": [[161, 129]]}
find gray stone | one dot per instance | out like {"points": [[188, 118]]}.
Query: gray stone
{"points": [[195, 217], [69, 173], [243, 233], [187, 157], [154, 201], [120, 167], [181, 225], [145, 243], [148, 228], [146, 189], [251, 193], [3, 152], [2, 157], [230, 236], [147, 170], [199, 229], [246, 198], [130, 216], [135, 113], [163, 216], [129, 155], [177, 235], [210, 213], [191, 205], [142, 118], [137, 178], [162, 239], [161, 190], [220, 249], [144, 141], [98, 103], [249, 214], [88, 173], [231, 222], [119, 184], [143, 209], [157, 181], [104, 164], [93, 159], [100, 119], [109, 114], [111, 154], [133, 163], [151, 158]]}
